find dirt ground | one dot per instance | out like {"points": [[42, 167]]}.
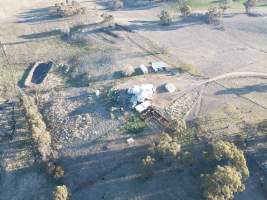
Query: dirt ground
{"points": [[98, 162]]}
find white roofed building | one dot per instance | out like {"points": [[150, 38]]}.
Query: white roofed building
{"points": [[141, 93], [142, 107], [159, 66]]}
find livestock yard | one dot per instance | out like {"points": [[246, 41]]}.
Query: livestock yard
{"points": [[133, 100]]}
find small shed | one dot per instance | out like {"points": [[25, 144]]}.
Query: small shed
{"points": [[144, 69], [169, 87], [159, 66]]}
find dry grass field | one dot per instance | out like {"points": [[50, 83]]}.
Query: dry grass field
{"points": [[88, 131]]}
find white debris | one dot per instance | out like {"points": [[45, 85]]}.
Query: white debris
{"points": [[130, 141], [97, 93]]}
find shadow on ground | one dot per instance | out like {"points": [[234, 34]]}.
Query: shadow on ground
{"points": [[38, 15], [130, 5], [104, 172], [262, 88]]}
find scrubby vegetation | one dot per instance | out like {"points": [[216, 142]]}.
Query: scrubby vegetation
{"points": [[215, 14], [61, 193], [135, 125], [67, 10], [184, 8], [41, 136], [55, 170], [165, 17], [166, 146]]}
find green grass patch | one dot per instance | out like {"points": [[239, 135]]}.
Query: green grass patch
{"points": [[135, 125]]}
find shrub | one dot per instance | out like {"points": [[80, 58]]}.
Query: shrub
{"points": [[215, 15], [65, 10], [166, 146], [106, 18], [185, 10], [148, 162], [165, 17], [40, 135], [61, 193], [59, 172], [177, 126]]}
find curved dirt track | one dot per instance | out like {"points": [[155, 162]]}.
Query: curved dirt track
{"points": [[187, 98], [236, 75]]}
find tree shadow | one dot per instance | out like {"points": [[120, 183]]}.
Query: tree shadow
{"points": [[262, 88], [38, 15], [41, 35], [139, 25], [130, 5], [112, 173]]}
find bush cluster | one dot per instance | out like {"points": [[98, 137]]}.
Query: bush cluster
{"points": [[166, 146], [215, 14], [165, 17], [61, 193], [40, 135], [135, 125], [65, 10]]}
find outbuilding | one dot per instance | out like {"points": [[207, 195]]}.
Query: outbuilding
{"points": [[169, 87], [159, 66], [141, 93], [142, 107]]}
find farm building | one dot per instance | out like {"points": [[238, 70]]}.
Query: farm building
{"points": [[143, 106], [141, 93], [169, 87], [159, 66]]}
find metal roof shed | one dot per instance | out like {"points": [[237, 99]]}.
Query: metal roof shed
{"points": [[142, 107]]}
